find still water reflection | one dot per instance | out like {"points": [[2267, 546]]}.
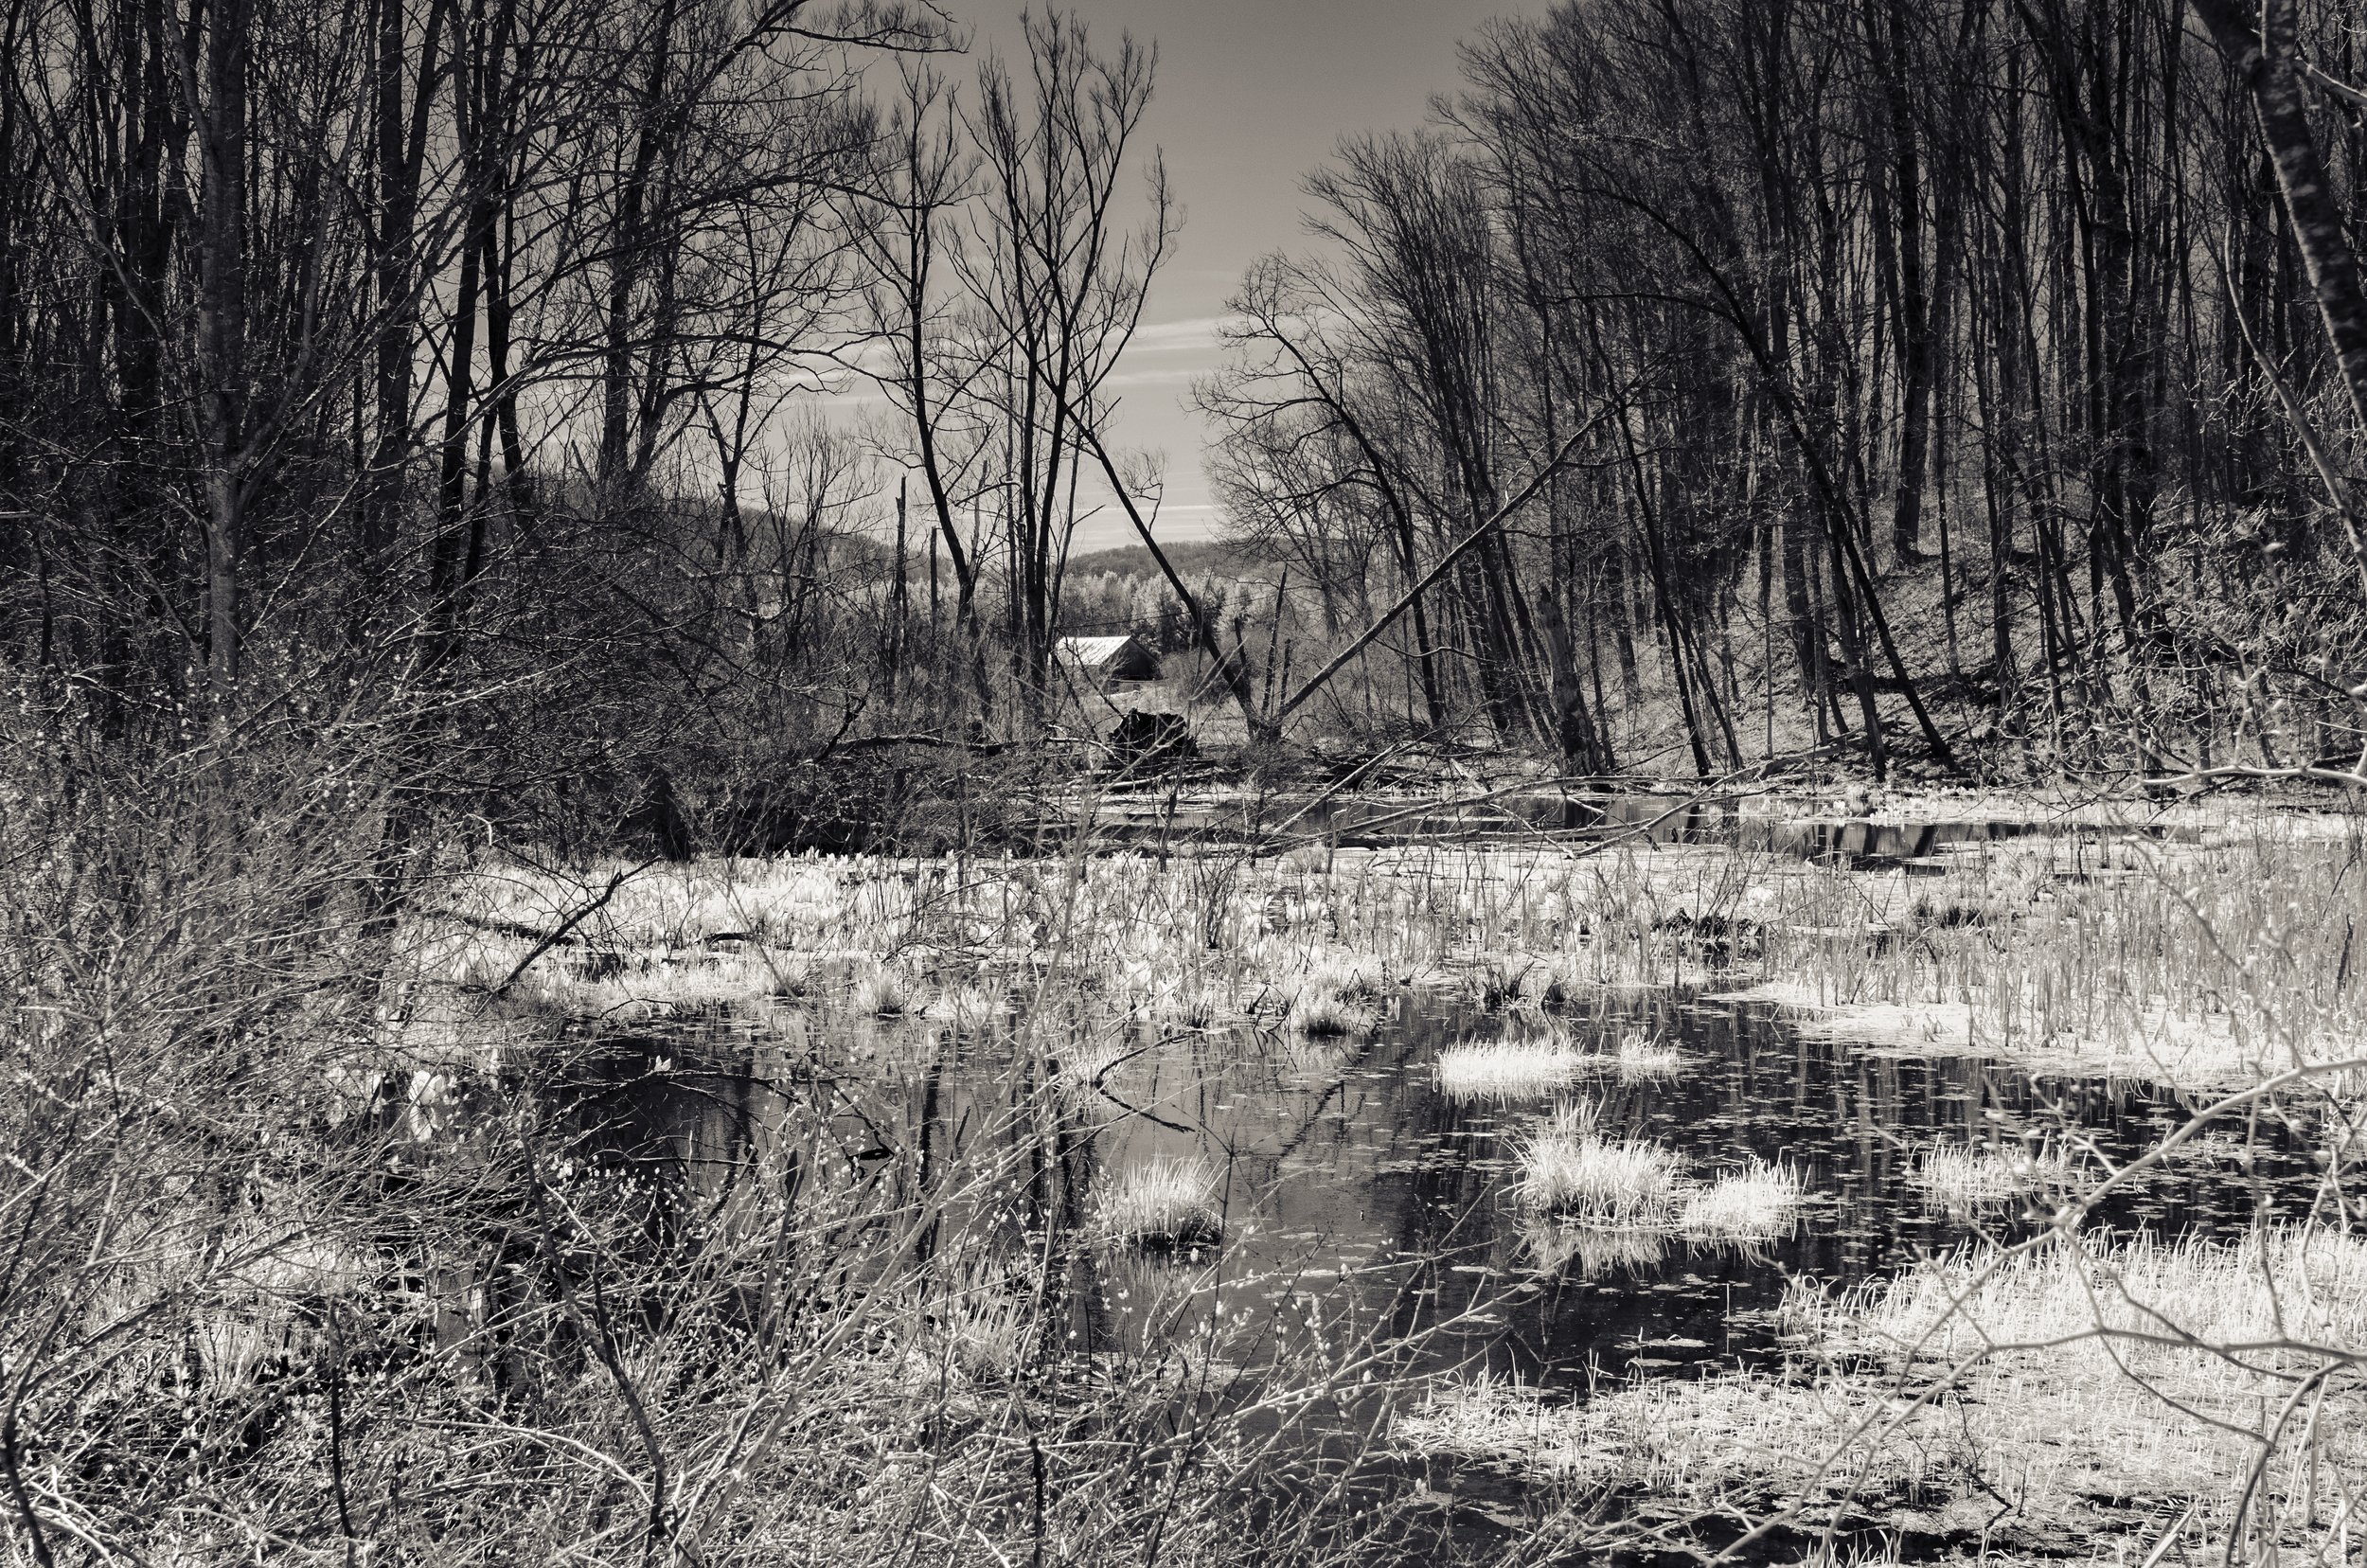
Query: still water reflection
{"points": [[1359, 1197]]}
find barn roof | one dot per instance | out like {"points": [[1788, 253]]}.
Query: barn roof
{"points": [[1093, 652]]}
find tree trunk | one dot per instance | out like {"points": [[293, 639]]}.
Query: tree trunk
{"points": [[2264, 61], [221, 333]]}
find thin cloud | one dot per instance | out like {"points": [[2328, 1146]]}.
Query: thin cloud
{"points": [[1172, 376], [1193, 333]]}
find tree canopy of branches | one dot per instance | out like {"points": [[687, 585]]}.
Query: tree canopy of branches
{"points": [[1941, 345]]}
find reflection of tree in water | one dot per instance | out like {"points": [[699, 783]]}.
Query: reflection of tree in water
{"points": [[1347, 1168]]}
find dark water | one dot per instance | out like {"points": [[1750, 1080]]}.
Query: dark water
{"points": [[1368, 1214], [1368, 1217], [1361, 1201], [1518, 817]]}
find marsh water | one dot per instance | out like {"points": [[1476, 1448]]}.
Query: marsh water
{"points": [[1360, 1200], [1369, 1214]]}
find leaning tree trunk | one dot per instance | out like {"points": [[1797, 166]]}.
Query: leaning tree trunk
{"points": [[2267, 62], [2264, 61]]}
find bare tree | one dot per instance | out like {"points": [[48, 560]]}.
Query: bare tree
{"points": [[1058, 279], [920, 183]]}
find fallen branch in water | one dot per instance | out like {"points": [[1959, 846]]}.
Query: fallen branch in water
{"points": [[2309, 774], [569, 924]]}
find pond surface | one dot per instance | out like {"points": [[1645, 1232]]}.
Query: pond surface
{"points": [[1369, 1217], [1360, 1200]]}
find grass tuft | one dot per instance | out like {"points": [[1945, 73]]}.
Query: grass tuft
{"points": [[1507, 1069], [967, 1008], [1756, 1203], [884, 991], [1164, 1204], [1329, 1014], [1641, 1056], [1568, 1169], [1957, 1179]]}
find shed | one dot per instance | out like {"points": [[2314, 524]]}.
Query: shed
{"points": [[1109, 658]]}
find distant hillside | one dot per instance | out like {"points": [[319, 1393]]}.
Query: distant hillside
{"points": [[1195, 559], [1207, 557]]}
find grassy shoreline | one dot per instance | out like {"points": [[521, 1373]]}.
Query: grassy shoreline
{"points": [[2198, 964]]}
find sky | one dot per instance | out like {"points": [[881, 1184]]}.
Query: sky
{"points": [[1251, 95]]}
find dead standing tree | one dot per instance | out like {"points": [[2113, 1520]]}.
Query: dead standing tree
{"points": [[918, 186], [1057, 280]]}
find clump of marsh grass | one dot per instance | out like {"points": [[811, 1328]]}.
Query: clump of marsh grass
{"points": [[989, 1329], [1550, 984], [1756, 1203], [884, 991], [1335, 997], [1164, 1204], [1567, 1167], [967, 1008], [1355, 977], [1507, 1069], [1323, 1013], [791, 972], [1497, 980], [1083, 1069], [1959, 1178], [1645, 1056]]}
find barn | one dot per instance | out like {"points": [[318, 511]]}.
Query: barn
{"points": [[1109, 660]]}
